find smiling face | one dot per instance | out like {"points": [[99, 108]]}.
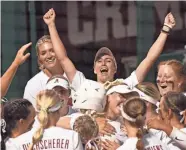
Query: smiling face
{"points": [[105, 69], [114, 102], [167, 79], [64, 95], [47, 57]]}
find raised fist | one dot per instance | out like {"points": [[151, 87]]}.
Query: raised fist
{"points": [[20, 57], [169, 20], [49, 17]]}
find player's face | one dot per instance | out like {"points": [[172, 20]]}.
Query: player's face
{"points": [[114, 102], [64, 95], [167, 79], [26, 124], [47, 57], [105, 69]]}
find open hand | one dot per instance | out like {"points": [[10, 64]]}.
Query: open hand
{"points": [[109, 145], [104, 127], [156, 123], [20, 57]]}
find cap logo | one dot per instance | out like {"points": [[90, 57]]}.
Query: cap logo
{"points": [[84, 101], [56, 81], [97, 89]]}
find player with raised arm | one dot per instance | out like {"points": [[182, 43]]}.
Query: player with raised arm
{"points": [[7, 77], [105, 65]]}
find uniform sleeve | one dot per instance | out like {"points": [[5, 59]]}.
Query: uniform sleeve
{"points": [[79, 78], [10, 145], [77, 144], [179, 137], [132, 80]]}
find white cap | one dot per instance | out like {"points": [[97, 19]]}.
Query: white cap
{"points": [[122, 89], [90, 95], [57, 82], [146, 97]]}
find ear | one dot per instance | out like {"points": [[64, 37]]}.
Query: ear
{"points": [[21, 121]]}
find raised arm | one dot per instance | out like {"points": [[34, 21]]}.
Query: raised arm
{"points": [[66, 63], [156, 49], [6, 79]]}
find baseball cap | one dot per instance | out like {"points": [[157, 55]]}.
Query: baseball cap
{"points": [[57, 82], [90, 95], [122, 89], [104, 51]]}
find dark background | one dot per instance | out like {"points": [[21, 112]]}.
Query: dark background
{"points": [[127, 28]]}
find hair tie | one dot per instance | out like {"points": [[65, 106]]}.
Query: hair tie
{"points": [[4, 100], [3, 125], [182, 114], [90, 113], [158, 107], [92, 143], [43, 109]]}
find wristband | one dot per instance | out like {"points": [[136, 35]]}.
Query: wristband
{"points": [[166, 29]]}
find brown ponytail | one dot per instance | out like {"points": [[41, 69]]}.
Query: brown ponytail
{"points": [[139, 134], [135, 108]]}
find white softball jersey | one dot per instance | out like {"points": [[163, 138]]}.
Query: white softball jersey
{"points": [[161, 135], [35, 85], [119, 136], [150, 141], [79, 78], [54, 138], [179, 136]]}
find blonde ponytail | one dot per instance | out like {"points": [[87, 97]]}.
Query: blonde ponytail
{"points": [[45, 99], [43, 119]]}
